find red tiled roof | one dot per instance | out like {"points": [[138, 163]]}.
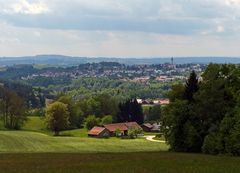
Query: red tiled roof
{"points": [[114, 127], [148, 125], [96, 130], [121, 126], [132, 124]]}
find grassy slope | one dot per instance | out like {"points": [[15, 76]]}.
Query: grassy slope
{"points": [[19, 141], [35, 138], [118, 163], [36, 141], [35, 124]]}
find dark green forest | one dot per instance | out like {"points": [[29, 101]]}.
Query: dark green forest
{"points": [[204, 114]]}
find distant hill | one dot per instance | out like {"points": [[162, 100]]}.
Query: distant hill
{"points": [[60, 60]]}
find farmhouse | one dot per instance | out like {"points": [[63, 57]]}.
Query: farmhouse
{"points": [[123, 127], [98, 132]]}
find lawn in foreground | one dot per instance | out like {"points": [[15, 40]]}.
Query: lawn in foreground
{"points": [[146, 162]]}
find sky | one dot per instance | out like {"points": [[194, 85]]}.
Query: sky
{"points": [[120, 28]]}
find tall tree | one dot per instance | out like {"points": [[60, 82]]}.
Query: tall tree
{"points": [[57, 117], [75, 114], [130, 110], [191, 86], [13, 109], [154, 113]]}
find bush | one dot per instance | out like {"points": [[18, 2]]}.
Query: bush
{"points": [[211, 144], [158, 136], [134, 132], [107, 119], [91, 121], [118, 133]]}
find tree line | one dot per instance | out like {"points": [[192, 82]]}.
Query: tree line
{"points": [[66, 113]]}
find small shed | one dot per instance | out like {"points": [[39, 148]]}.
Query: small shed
{"points": [[98, 132], [147, 127]]}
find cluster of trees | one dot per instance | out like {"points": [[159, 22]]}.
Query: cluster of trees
{"points": [[88, 85], [153, 113], [129, 111], [12, 108], [34, 97], [65, 113], [126, 89], [92, 121], [204, 116]]}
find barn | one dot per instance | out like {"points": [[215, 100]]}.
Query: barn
{"points": [[147, 127], [123, 127], [98, 132]]}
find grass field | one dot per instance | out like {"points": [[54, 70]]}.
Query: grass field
{"points": [[157, 162], [35, 150], [34, 137], [35, 124], [24, 142]]}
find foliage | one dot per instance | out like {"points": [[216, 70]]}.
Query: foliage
{"points": [[33, 97], [129, 111], [107, 119], [57, 117], [75, 113], [36, 112], [191, 86], [207, 117], [92, 121], [12, 108], [118, 133], [154, 113], [179, 130], [134, 132]]}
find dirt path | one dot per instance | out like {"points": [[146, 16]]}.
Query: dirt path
{"points": [[150, 138]]}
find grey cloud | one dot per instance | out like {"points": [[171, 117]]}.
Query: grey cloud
{"points": [[158, 16]]}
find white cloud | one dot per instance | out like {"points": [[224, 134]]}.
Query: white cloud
{"points": [[25, 7], [220, 29], [233, 2]]}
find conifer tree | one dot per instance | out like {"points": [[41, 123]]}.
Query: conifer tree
{"points": [[191, 86]]}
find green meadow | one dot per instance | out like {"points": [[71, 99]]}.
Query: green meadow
{"points": [[35, 149], [35, 138]]}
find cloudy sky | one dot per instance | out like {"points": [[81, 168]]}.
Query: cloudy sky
{"points": [[120, 28]]}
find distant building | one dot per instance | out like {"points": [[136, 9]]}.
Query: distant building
{"points": [[147, 127], [154, 102], [140, 101]]}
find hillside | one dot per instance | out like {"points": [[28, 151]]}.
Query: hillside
{"points": [[60, 60], [34, 142]]}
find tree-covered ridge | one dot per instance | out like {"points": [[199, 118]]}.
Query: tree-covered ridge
{"points": [[209, 121]]}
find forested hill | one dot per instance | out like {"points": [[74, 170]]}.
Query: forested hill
{"points": [[69, 61]]}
